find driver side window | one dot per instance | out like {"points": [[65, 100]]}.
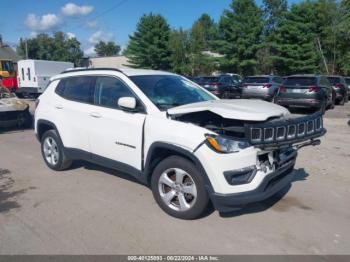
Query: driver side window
{"points": [[108, 90]]}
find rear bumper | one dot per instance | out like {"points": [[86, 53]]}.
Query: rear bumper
{"points": [[271, 184], [301, 102], [262, 95]]}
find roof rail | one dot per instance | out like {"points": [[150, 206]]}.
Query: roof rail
{"points": [[82, 69]]}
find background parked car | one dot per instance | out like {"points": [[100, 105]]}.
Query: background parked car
{"points": [[223, 86], [263, 87], [307, 91], [340, 87], [347, 80]]}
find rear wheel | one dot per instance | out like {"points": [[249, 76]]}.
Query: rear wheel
{"points": [[178, 188], [323, 106], [53, 152]]}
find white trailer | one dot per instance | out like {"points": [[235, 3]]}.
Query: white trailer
{"points": [[34, 75]]}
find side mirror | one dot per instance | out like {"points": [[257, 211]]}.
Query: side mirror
{"points": [[127, 103]]}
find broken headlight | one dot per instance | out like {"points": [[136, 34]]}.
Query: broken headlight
{"points": [[223, 144]]}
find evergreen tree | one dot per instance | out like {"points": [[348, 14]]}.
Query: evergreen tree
{"points": [[149, 45], [180, 52], [240, 30], [294, 45]]}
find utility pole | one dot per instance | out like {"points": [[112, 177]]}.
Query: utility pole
{"points": [[323, 58], [26, 48]]}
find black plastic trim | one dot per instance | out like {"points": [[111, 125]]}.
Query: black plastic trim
{"points": [[272, 184]]}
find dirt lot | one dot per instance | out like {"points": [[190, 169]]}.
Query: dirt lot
{"points": [[92, 210]]}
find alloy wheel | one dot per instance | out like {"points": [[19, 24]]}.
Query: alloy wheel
{"points": [[177, 189], [51, 151]]}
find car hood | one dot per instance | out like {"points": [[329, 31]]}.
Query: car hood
{"points": [[240, 109]]}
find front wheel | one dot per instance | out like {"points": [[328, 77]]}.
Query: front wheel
{"points": [[53, 152], [178, 188]]}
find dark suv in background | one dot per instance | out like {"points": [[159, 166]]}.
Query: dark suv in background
{"points": [[307, 91], [340, 87], [223, 86], [347, 80], [263, 87]]}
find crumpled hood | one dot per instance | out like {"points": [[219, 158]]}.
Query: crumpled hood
{"points": [[240, 109]]}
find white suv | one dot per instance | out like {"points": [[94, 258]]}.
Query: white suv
{"points": [[190, 147]]}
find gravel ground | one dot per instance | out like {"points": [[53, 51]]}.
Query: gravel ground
{"points": [[92, 210]]}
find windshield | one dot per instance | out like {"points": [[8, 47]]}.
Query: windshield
{"points": [[209, 80], [7, 66], [300, 81], [334, 80], [256, 80], [167, 91]]}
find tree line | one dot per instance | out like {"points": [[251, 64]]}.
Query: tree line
{"points": [[311, 36]]}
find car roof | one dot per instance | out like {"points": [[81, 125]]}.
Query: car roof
{"points": [[303, 75], [125, 71], [262, 76]]}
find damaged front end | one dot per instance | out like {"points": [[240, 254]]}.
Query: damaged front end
{"points": [[275, 133]]}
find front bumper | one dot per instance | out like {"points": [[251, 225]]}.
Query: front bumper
{"points": [[270, 185]]}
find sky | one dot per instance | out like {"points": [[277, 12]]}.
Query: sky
{"points": [[93, 20]]}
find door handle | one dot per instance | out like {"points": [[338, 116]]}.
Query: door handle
{"points": [[95, 115], [59, 106]]}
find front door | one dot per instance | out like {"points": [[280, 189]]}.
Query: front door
{"points": [[115, 134]]}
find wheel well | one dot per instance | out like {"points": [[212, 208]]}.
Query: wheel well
{"points": [[42, 128], [159, 154]]}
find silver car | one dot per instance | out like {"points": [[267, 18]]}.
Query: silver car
{"points": [[262, 87]]}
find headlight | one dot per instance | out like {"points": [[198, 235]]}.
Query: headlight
{"points": [[226, 145]]}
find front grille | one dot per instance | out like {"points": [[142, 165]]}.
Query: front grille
{"points": [[285, 131]]}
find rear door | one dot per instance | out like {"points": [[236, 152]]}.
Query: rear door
{"points": [[115, 134], [71, 109]]}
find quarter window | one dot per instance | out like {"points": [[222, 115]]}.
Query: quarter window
{"points": [[108, 90]]}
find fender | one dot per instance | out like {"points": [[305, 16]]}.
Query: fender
{"points": [[149, 166]]}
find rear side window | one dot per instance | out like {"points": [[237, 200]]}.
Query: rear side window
{"points": [[256, 80], [78, 89], [108, 90], [300, 81]]}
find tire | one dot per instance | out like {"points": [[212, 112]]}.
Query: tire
{"points": [[333, 101], [28, 120], [323, 106], [274, 98], [179, 204], [342, 101], [50, 142]]}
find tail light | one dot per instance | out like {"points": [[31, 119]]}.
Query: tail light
{"points": [[314, 89], [282, 89], [339, 85], [267, 85]]}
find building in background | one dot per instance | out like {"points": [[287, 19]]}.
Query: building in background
{"points": [[108, 61]]}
